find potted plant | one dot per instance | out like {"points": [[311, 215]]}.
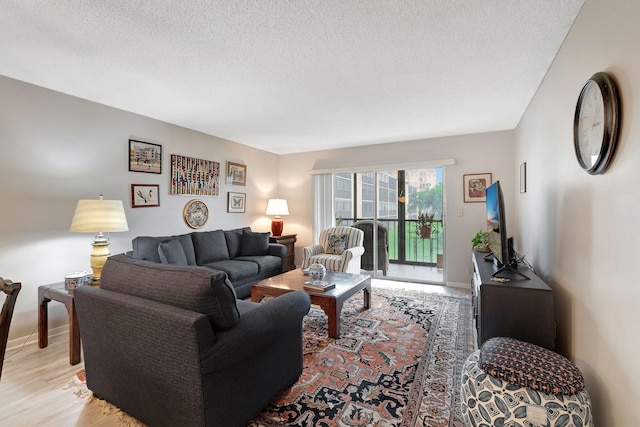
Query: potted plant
{"points": [[424, 224], [480, 241]]}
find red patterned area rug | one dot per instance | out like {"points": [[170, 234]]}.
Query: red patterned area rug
{"points": [[396, 364]]}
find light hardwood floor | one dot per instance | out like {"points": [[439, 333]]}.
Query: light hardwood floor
{"points": [[32, 385]]}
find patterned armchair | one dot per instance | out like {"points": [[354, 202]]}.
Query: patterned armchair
{"points": [[339, 249]]}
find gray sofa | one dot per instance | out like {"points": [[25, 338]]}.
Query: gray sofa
{"points": [[245, 256], [171, 346]]}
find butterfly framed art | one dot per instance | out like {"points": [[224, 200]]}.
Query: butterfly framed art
{"points": [[236, 202]]}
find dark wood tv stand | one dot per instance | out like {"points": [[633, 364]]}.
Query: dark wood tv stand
{"points": [[520, 308]]}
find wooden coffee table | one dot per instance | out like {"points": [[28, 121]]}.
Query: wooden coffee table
{"points": [[330, 301]]}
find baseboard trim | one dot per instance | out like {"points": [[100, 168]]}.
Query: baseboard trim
{"points": [[17, 343], [462, 285]]}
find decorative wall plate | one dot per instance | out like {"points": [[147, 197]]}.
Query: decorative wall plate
{"points": [[196, 213]]}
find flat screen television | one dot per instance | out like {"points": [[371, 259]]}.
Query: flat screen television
{"points": [[500, 245]]}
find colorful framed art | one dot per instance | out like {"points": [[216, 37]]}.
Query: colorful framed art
{"points": [[194, 176], [475, 187], [145, 157]]}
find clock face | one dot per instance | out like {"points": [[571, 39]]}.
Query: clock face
{"points": [[595, 123], [591, 124]]}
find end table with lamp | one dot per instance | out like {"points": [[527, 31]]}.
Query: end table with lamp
{"points": [[91, 216]]}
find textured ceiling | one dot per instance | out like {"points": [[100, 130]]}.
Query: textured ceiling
{"points": [[294, 76]]}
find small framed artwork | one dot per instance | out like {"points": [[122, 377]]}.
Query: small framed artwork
{"points": [[523, 177], [145, 195], [236, 202], [236, 173], [145, 157], [475, 187]]}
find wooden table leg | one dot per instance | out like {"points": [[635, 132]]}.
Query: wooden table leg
{"points": [[367, 296], [256, 294], [332, 308], [43, 323], [74, 334]]}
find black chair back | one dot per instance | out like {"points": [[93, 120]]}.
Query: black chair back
{"points": [[11, 290]]}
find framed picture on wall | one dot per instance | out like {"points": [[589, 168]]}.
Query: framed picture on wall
{"points": [[475, 187], [523, 177], [236, 173], [145, 195], [145, 157], [236, 202], [194, 176]]}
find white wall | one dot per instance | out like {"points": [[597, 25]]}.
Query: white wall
{"points": [[56, 149], [581, 231], [479, 153]]}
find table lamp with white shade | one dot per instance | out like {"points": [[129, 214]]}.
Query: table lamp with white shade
{"points": [[277, 208], [99, 216]]}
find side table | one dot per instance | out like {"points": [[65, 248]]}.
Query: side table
{"points": [[57, 292], [289, 241]]}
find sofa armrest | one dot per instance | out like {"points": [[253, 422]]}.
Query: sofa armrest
{"points": [[308, 252], [276, 249], [258, 328], [356, 251], [127, 340]]}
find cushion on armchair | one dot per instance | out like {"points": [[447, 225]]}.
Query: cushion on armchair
{"points": [[193, 288], [336, 244]]}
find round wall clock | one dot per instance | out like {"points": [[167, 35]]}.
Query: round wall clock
{"points": [[196, 213], [596, 122]]}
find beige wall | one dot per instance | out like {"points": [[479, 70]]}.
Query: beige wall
{"points": [[580, 231], [479, 153], [56, 149]]}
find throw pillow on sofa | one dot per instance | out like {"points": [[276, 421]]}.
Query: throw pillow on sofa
{"points": [[254, 243], [172, 252], [210, 246], [234, 241]]}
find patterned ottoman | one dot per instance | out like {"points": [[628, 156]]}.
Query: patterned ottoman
{"points": [[512, 383]]}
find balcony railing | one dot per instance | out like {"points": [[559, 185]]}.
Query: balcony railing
{"points": [[416, 250]]}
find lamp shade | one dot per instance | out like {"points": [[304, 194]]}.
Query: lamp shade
{"points": [[277, 207], [99, 216]]}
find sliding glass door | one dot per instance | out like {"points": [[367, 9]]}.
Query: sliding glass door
{"points": [[402, 210]]}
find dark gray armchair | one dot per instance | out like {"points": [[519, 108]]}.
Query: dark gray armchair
{"points": [[366, 225], [170, 345]]}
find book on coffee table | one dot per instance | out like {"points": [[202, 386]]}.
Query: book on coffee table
{"points": [[319, 285]]}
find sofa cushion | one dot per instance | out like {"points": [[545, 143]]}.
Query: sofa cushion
{"points": [[234, 241], [265, 262], [210, 246], [171, 252], [254, 243], [193, 288], [336, 244], [146, 247], [236, 270]]}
